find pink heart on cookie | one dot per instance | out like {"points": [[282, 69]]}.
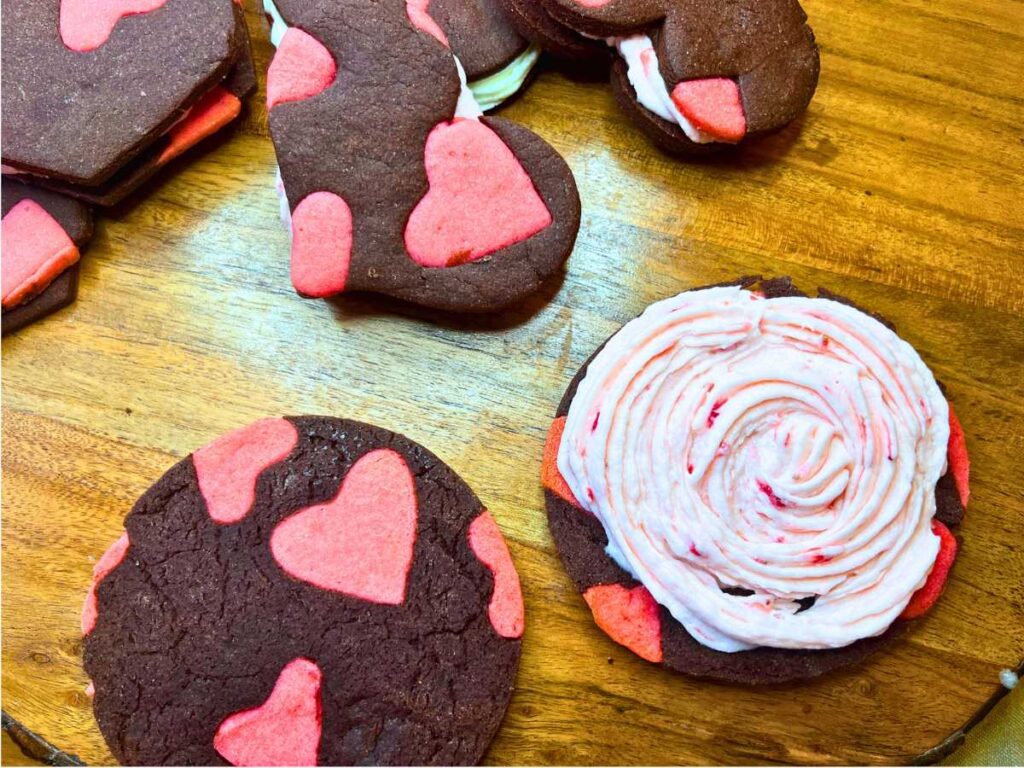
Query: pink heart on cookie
{"points": [[86, 24], [361, 542], [480, 199], [284, 730], [713, 106]]}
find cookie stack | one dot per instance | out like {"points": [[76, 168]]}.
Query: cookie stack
{"points": [[97, 100], [694, 76]]}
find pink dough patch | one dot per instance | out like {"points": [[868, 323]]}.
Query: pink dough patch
{"points": [[420, 17], [593, 3], [550, 477], [36, 249], [506, 607], [284, 730], [959, 461], [480, 199], [361, 542], [301, 68], [925, 598], [90, 690], [228, 467], [629, 616], [213, 111], [321, 244], [713, 106], [86, 24], [112, 558]]}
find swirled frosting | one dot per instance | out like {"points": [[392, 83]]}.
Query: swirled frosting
{"points": [[746, 455]]}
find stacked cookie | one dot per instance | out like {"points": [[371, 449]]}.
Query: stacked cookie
{"points": [[695, 76], [394, 181], [97, 100], [750, 484]]}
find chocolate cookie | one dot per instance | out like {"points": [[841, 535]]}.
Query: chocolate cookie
{"points": [[497, 61], [215, 110], [479, 33], [304, 591], [699, 75], [91, 87], [394, 182], [625, 608], [43, 233], [536, 24]]}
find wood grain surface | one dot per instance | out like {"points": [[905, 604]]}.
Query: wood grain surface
{"points": [[901, 188]]}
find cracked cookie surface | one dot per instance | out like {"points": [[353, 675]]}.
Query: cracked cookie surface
{"points": [[356, 575]]}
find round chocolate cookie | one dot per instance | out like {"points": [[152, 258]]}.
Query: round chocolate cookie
{"points": [[304, 591], [626, 610], [697, 76]]}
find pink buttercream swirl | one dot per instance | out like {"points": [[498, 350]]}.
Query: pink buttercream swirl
{"points": [[786, 447]]}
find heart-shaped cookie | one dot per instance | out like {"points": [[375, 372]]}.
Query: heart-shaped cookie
{"points": [[429, 202]]}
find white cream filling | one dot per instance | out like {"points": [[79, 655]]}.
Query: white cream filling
{"points": [[651, 91], [494, 89], [786, 446]]}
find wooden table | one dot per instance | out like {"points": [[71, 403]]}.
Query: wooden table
{"points": [[902, 188]]}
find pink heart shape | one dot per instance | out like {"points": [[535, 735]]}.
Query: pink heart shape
{"points": [[361, 542], [630, 617], [418, 12], [505, 609], [713, 106], [110, 559], [86, 24], [321, 244], [284, 730], [480, 198], [301, 68]]}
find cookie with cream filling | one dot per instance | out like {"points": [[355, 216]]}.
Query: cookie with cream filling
{"points": [[418, 197], [43, 235], [90, 87], [698, 76], [746, 484]]}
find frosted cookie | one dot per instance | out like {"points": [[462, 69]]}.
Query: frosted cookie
{"points": [[43, 234], [413, 194], [756, 486], [304, 591]]}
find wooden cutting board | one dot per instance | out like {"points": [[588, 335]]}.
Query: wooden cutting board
{"points": [[902, 188]]}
